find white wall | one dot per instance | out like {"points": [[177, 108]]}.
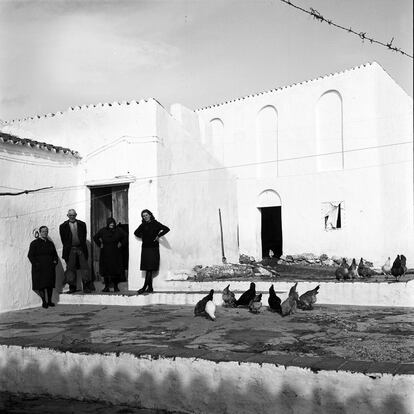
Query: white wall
{"points": [[188, 203], [376, 184], [28, 168]]}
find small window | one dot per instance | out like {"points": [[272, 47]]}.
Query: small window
{"points": [[332, 212]]}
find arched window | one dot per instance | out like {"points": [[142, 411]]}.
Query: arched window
{"points": [[267, 151], [217, 138], [329, 132]]}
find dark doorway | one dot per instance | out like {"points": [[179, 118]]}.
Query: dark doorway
{"points": [[272, 231], [109, 202]]}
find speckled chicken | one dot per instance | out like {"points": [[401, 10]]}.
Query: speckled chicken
{"points": [[229, 299], [342, 272], [256, 303], [399, 267], [353, 270], [200, 307], [289, 305], [247, 296], [363, 270], [274, 301], [307, 300]]}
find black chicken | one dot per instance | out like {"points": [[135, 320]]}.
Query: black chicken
{"points": [[247, 296], [274, 301], [399, 267]]}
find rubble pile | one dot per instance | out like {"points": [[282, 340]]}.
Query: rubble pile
{"points": [[233, 271]]}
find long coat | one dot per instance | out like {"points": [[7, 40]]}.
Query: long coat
{"points": [[66, 237], [110, 257], [43, 257], [150, 253]]}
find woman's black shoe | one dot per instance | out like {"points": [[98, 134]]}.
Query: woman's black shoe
{"points": [[44, 305], [106, 289], [50, 304], [116, 289], [141, 291]]}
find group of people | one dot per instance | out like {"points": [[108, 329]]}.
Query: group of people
{"points": [[110, 239]]}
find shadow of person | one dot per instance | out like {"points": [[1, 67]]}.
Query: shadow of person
{"points": [[164, 243]]}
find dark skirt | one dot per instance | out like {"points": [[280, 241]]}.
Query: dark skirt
{"points": [[150, 258]]}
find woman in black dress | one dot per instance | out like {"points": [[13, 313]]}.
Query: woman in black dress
{"points": [[110, 239], [150, 231], [43, 257]]}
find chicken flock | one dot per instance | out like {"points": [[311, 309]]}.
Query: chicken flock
{"points": [[347, 272], [253, 301]]}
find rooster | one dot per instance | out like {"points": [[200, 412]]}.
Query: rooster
{"points": [[255, 304], [353, 270], [399, 267], [228, 297], [200, 307], [289, 305], [307, 300], [247, 296], [342, 272], [364, 271], [274, 301]]}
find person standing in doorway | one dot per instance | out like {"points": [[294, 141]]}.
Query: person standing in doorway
{"points": [[43, 257], [110, 239], [75, 252], [150, 230]]}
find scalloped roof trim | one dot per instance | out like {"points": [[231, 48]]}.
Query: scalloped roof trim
{"points": [[76, 108], [254, 95], [13, 139]]}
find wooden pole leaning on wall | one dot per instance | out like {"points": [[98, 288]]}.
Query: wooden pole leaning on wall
{"points": [[223, 257]]}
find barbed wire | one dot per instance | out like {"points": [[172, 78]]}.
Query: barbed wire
{"points": [[362, 35]]}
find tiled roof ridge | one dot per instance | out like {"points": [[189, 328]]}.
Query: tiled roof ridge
{"points": [[13, 139], [76, 108], [253, 95]]}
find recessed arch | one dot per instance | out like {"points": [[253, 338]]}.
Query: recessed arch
{"points": [[269, 198], [329, 131], [217, 138], [267, 140]]}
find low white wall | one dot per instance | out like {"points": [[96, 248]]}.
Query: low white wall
{"points": [[201, 386], [330, 293]]}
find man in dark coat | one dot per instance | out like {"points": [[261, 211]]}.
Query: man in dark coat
{"points": [[75, 252]]}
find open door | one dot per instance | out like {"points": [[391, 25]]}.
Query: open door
{"points": [[271, 232], [108, 202]]}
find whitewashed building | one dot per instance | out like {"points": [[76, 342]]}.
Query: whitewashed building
{"points": [[323, 166], [129, 157], [327, 163]]}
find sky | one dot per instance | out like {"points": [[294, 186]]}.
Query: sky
{"points": [[55, 54]]}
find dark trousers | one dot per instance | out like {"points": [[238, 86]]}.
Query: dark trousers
{"points": [[75, 262]]}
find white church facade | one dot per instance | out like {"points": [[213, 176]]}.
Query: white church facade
{"points": [[325, 166]]}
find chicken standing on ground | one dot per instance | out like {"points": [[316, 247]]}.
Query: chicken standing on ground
{"points": [[289, 305], [200, 307], [342, 272], [399, 267], [363, 270], [386, 268], [274, 301], [229, 299], [255, 304], [353, 270], [307, 300], [247, 296]]}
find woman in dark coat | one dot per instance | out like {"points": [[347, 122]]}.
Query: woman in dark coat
{"points": [[43, 257], [110, 239], [150, 231]]}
